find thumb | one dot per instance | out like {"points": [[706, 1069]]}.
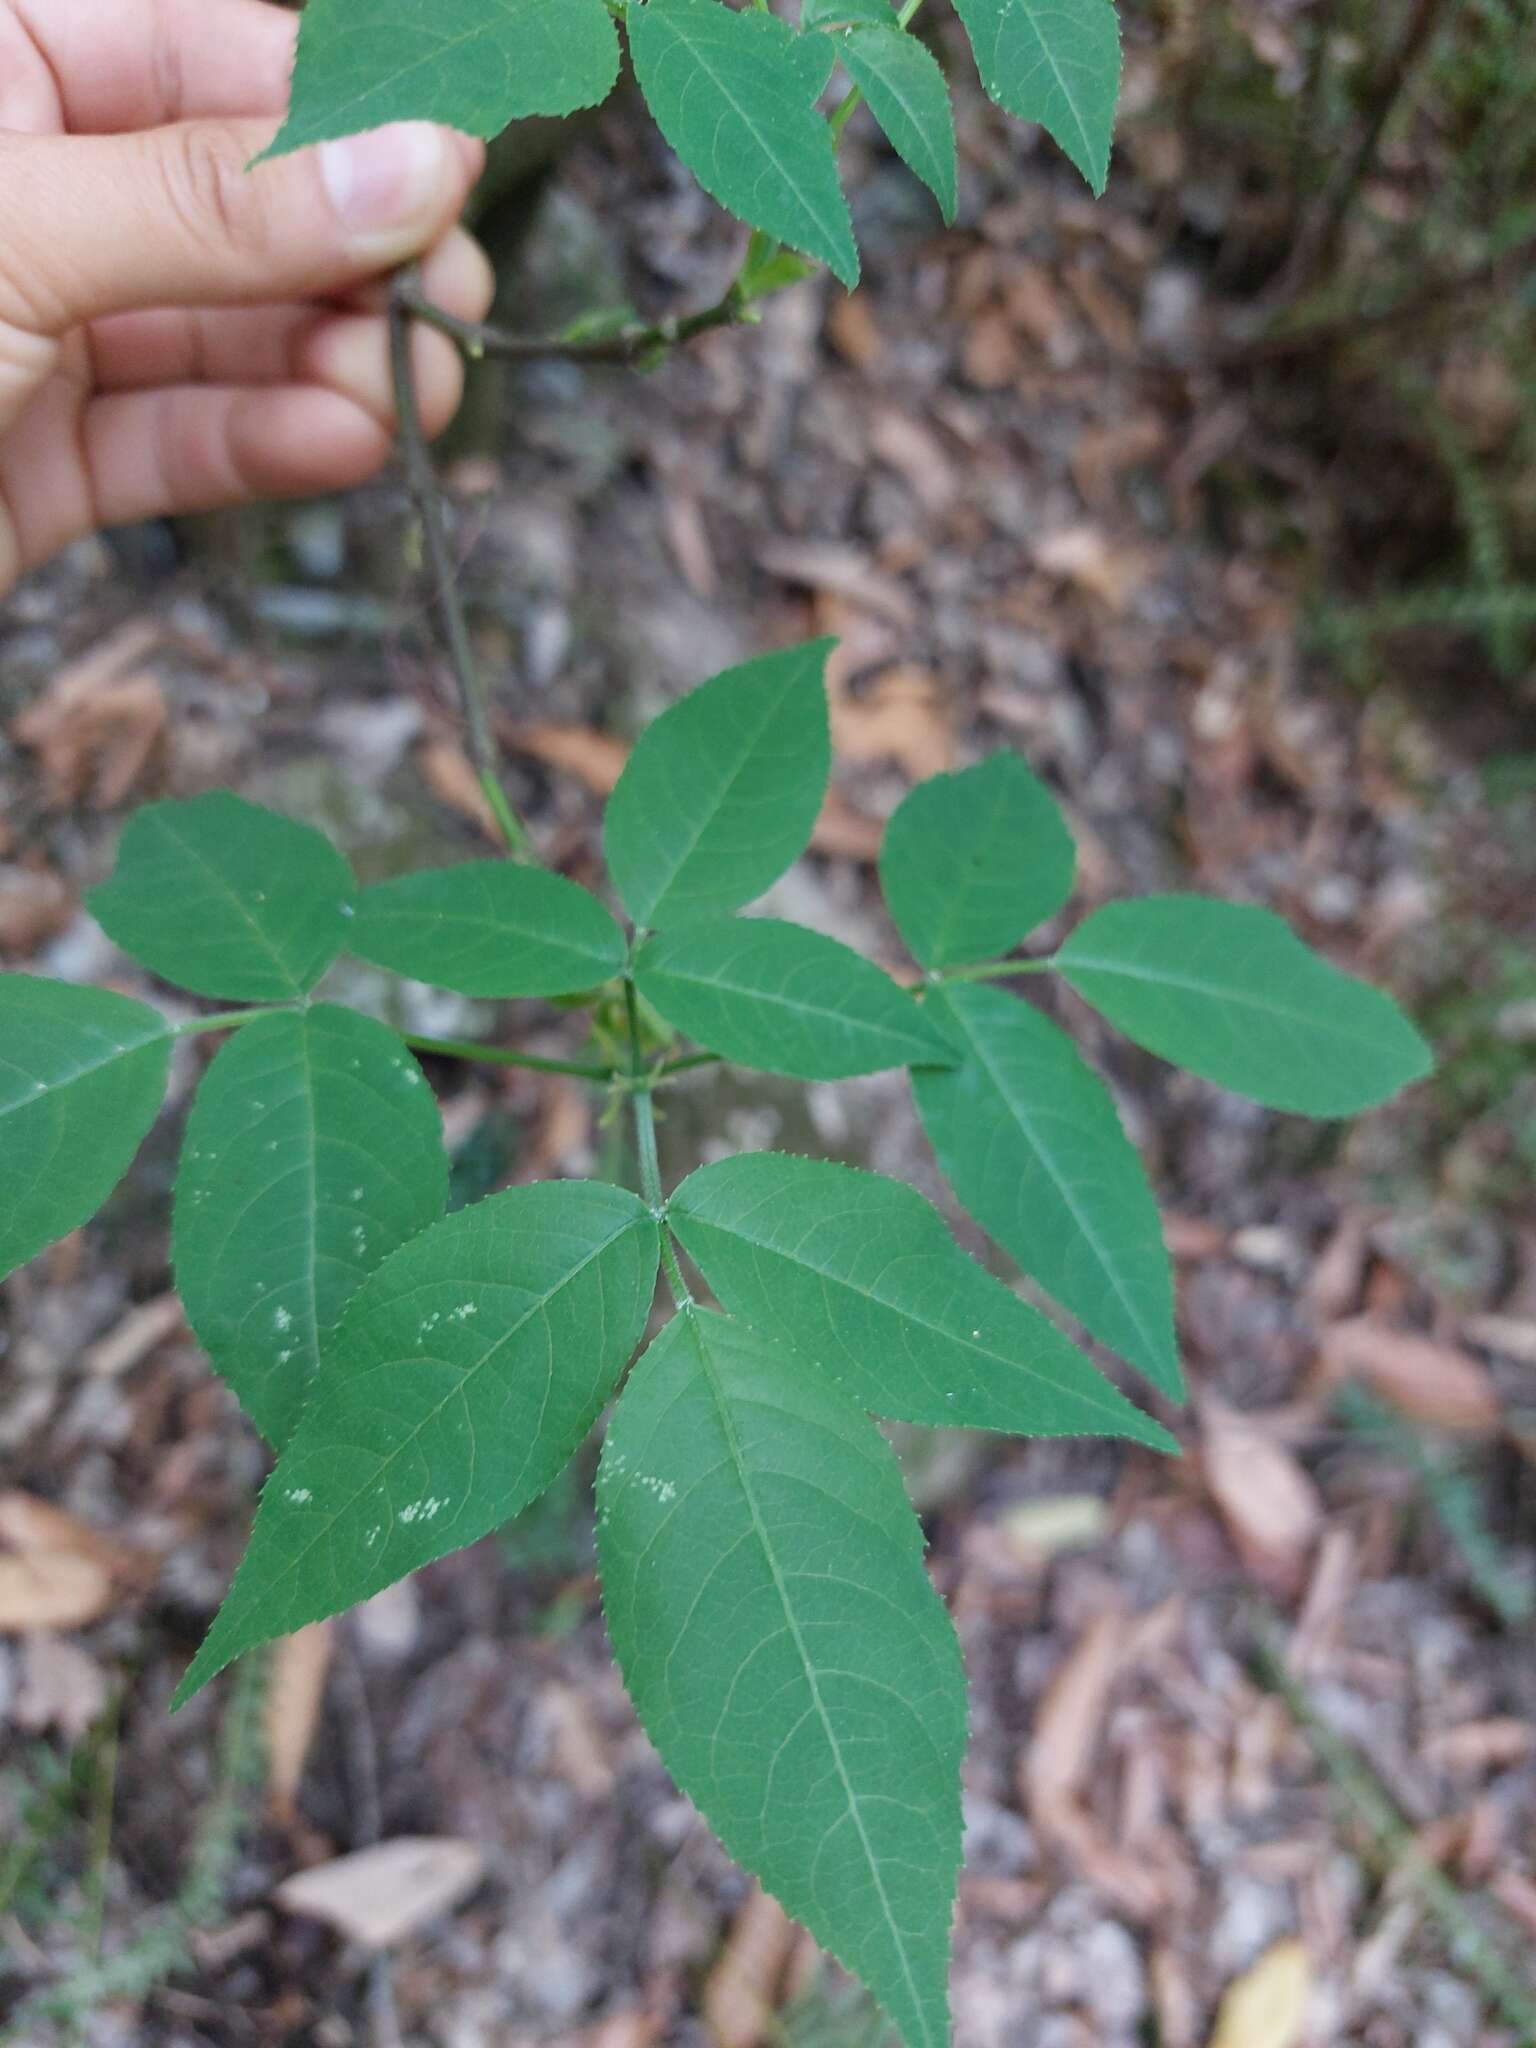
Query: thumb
{"points": [[173, 217]]}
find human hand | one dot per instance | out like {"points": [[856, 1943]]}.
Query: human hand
{"points": [[177, 333]]}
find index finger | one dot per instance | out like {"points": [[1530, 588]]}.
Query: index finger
{"points": [[121, 65]]}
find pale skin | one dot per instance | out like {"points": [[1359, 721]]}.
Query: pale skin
{"points": [[177, 333]]}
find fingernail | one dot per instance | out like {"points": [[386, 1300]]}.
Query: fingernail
{"points": [[387, 180]]}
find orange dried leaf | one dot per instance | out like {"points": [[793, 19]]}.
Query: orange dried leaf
{"points": [[743, 1988], [301, 1664], [1434, 1383], [1270, 1507]]}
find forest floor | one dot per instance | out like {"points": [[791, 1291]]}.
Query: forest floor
{"points": [[1253, 1756]]}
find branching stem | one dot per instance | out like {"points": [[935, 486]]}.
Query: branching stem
{"points": [[630, 346], [228, 1020], [507, 1056], [996, 970]]}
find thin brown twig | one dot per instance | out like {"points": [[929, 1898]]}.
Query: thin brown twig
{"points": [[405, 294]]}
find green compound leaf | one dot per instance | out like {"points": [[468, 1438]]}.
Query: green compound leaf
{"points": [[314, 1150], [790, 1001], [462, 1376], [225, 898], [765, 1593], [489, 929], [722, 790], [471, 64], [973, 861], [735, 95], [1230, 992], [909, 96], [858, 1275], [1028, 1138], [82, 1075], [1056, 62]]}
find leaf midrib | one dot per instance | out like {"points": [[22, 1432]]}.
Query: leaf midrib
{"points": [[833, 1279], [768, 998], [35, 1095], [1237, 998], [1031, 11], [722, 795], [951, 917], [222, 888], [744, 113], [1047, 1158], [491, 926], [537, 1307], [791, 1622]]}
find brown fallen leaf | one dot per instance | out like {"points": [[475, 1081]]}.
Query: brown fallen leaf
{"points": [[900, 716], [853, 330], [990, 356], [840, 571], [380, 1896], [1107, 311], [300, 1665], [1335, 1575], [1085, 556], [448, 773], [1192, 1237], [143, 1330], [917, 455], [51, 1590], [682, 522], [1037, 308], [1433, 1383], [1338, 1272], [1268, 1504], [846, 832], [35, 905], [1478, 1746], [595, 759], [1066, 1729], [742, 1992], [1102, 455], [36, 1528], [99, 723], [1267, 2006], [577, 1748], [61, 1686]]}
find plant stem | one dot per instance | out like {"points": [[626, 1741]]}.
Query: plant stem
{"points": [[997, 970], [508, 1056], [687, 1064], [429, 507], [229, 1020], [630, 346], [651, 1191]]}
